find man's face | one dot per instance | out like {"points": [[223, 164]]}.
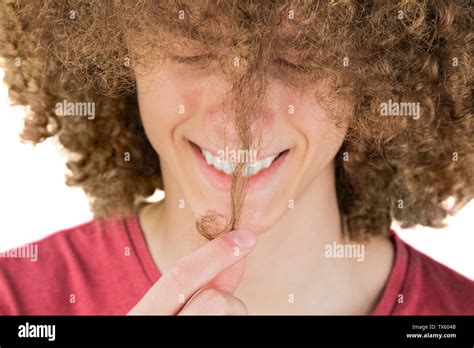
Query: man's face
{"points": [[186, 109]]}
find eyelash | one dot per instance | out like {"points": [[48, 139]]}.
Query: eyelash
{"points": [[288, 65], [194, 60]]}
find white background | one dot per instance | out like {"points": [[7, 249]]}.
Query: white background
{"points": [[35, 202]]}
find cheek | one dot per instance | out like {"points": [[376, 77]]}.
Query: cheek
{"points": [[319, 129], [303, 113], [323, 139], [166, 105], [319, 137]]}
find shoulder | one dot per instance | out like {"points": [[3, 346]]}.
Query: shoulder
{"points": [[79, 241], [431, 288], [76, 264]]}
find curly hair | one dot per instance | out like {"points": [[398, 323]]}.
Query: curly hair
{"points": [[388, 168]]}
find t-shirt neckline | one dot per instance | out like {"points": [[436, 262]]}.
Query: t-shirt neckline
{"points": [[385, 306], [138, 240], [396, 279]]}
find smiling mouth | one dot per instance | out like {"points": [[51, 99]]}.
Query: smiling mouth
{"points": [[228, 167]]}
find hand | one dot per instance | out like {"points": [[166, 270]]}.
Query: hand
{"points": [[202, 282]]}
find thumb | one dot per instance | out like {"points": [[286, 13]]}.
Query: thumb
{"points": [[229, 279]]}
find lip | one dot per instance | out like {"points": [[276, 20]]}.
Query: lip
{"points": [[222, 181]]}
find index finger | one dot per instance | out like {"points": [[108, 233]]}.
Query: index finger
{"points": [[174, 288]]}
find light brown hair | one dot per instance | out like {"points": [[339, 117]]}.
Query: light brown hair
{"points": [[372, 52]]}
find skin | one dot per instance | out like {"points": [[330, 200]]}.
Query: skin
{"points": [[208, 291], [290, 237]]}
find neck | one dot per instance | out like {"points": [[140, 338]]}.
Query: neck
{"points": [[288, 271]]}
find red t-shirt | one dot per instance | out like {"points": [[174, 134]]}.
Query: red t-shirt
{"points": [[104, 267]]}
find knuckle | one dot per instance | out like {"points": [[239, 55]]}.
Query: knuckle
{"points": [[177, 274]]}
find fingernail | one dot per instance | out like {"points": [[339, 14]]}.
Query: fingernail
{"points": [[244, 239]]}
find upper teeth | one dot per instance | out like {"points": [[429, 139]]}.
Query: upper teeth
{"points": [[229, 167]]}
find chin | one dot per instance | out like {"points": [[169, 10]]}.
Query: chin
{"points": [[262, 217], [258, 218]]}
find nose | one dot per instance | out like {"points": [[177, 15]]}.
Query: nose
{"points": [[237, 113]]}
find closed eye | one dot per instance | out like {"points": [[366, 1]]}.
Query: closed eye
{"points": [[192, 59], [289, 65], [199, 59]]}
